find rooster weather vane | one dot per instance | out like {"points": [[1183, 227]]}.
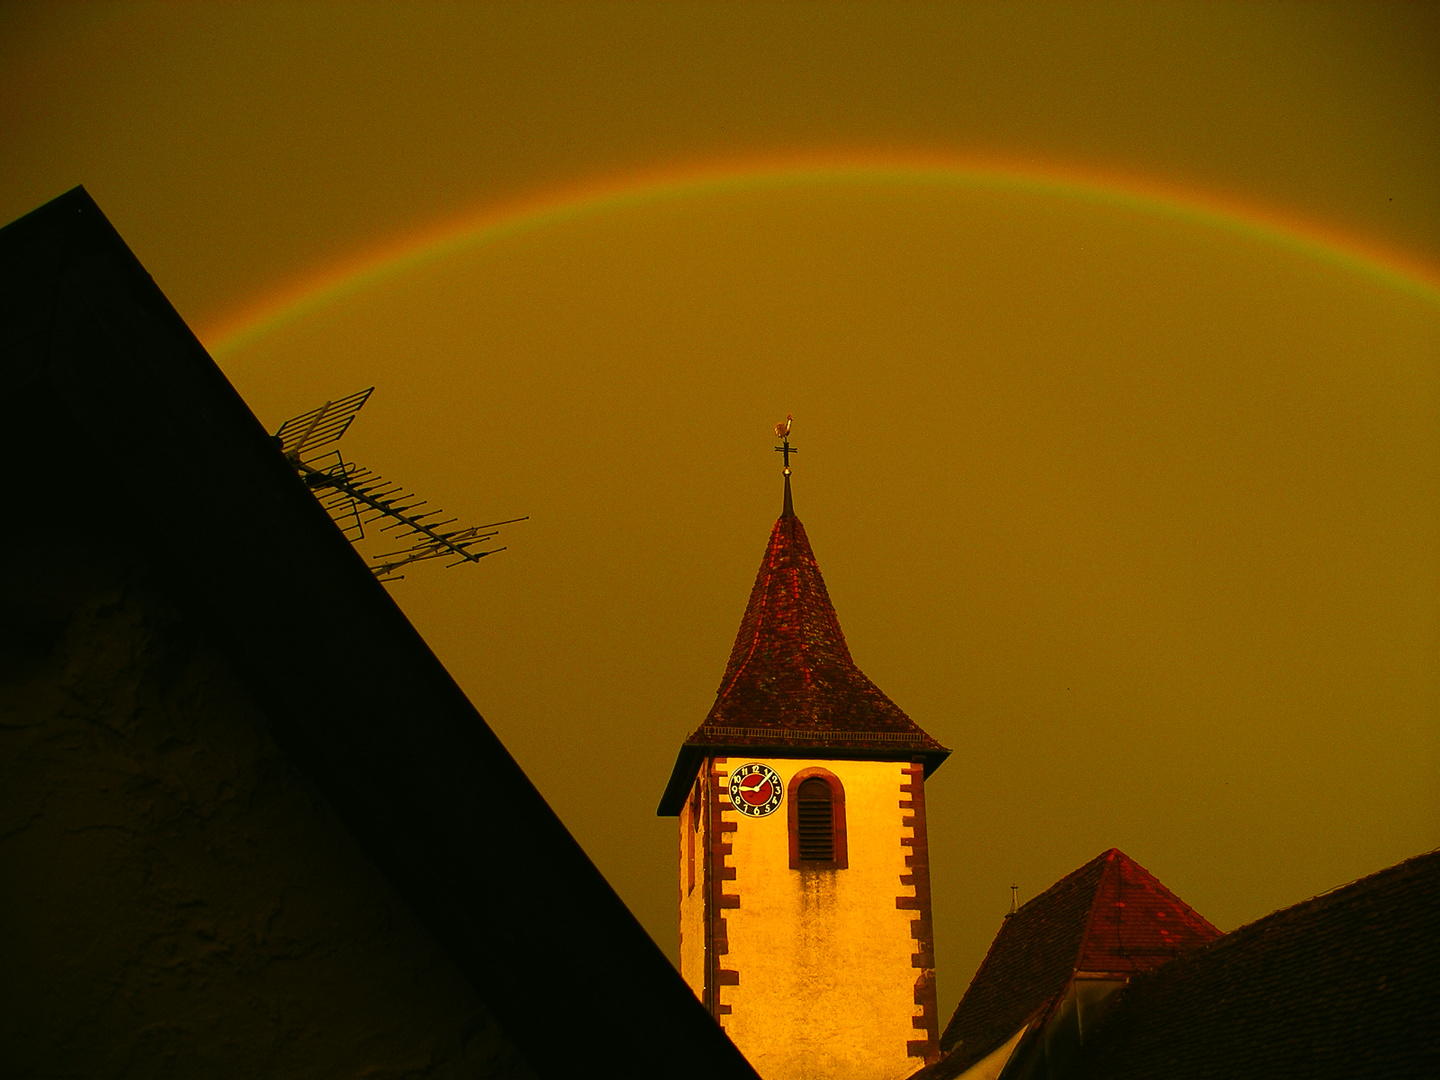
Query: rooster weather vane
{"points": [[355, 497], [782, 432]]}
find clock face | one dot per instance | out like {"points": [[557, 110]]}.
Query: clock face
{"points": [[755, 790]]}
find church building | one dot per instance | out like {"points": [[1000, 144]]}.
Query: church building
{"points": [[805, 914], [805, 923]]}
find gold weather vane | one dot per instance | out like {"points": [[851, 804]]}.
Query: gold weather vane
{"points": [[782, 432]]}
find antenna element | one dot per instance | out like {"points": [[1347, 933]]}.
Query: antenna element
{"points": [[356, 497]]}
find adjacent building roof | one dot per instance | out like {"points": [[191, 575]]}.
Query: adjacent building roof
{"points": [[1110, 918], [1342, 985], [354, 694], [791, 687]]}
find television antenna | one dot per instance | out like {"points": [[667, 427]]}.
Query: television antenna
{"points": [[357, 498]]}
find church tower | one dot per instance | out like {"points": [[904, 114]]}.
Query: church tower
{"points": [[804, 871]]}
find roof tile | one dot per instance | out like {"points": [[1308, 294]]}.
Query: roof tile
{"points": [[1109, 917], [1341, 985], [790, 680]]}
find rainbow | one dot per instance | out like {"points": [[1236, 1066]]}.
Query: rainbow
{"points": [[556, 205]]}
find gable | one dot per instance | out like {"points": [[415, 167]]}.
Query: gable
{"points": [[1103, 922], [174, 888], [352, 694]]}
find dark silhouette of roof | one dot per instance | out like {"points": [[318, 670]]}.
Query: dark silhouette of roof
{"points": [[1343, 985], [1110, 918], [791, 687], [355, 696]]}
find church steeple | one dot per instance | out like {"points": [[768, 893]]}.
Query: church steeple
{"points": [[805, 923], [790, 679], [790, 682]]}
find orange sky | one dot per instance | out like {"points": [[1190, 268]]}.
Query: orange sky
{"points": [[1133, 503]]}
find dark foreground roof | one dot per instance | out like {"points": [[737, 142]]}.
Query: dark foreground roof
{"points": [[1111, 917], [791, 687], [1344, 985], [357, 699]]}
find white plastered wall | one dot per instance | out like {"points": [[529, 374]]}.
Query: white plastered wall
{"points": [[826, 980]]}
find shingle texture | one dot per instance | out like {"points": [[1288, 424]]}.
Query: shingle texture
{"points": [[1343, 985], [790, 680], [1110, 917], [791, 688]]}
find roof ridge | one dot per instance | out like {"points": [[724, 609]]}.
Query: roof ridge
{"points": [[1404, 865], [1245, 931], [1108, 856], [783, 529], [790, 667], [127, 380], [1169, 892], [764, 602], [1159, 886], [1052, 888]]}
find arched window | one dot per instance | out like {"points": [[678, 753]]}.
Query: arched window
{"points": [[817, 821]]}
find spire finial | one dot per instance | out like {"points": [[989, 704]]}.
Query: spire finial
{"points": [[782, 432]]}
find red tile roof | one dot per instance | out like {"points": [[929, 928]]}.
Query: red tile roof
{"points": [[1136, 924], [791, 684], [1342, 985], [790, 673], [1110, 917]]}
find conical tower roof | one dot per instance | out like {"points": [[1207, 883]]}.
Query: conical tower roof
{"points": [[791, 687]]}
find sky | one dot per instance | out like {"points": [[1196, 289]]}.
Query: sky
{"points": [[1111, 333]]}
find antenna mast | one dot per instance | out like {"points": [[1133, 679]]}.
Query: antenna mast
{"points": [[355, 497]]}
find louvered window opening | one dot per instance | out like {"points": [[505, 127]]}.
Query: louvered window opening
{"points": [[815, 818]]}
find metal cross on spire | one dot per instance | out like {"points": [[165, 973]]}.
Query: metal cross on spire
{"points": [[782, 432]]}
